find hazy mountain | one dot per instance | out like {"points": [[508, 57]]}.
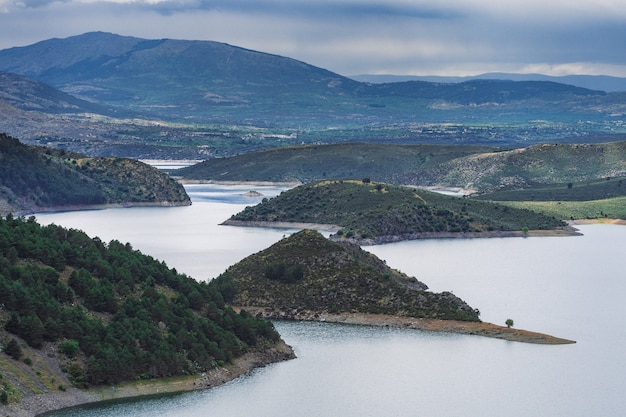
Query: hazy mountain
{"points": [[592, 82], [198, 99], [180, 77]]}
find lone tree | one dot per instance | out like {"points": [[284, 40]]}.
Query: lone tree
{"points": [[509, 323]]}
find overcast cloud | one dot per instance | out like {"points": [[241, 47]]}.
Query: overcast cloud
{"points": [[419, 37]]}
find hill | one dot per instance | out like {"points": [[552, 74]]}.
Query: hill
{"points": [[308, 273], [384, 163], [532, 166], [484, 170], [374, 213], [88, 313], [41, 179]]}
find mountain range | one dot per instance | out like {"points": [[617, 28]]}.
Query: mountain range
{"points": [[102, 92]]}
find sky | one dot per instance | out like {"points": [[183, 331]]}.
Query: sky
{"points": [[352, 37]]}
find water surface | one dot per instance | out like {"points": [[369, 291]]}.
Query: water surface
{"points": [[570, 287]]}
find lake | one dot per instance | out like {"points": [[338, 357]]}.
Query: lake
{"points": [[571, 287]]}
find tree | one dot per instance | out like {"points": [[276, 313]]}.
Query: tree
{"points": [[509, 323], [13, 349]]}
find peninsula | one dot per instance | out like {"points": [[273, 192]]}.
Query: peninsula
{"points": [[308, 277], [369, 213]]}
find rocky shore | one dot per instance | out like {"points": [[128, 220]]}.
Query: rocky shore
{"points": [[34, 403], [434, 325]]}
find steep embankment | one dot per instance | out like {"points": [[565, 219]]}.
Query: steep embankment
{"points": [[35, 179]]}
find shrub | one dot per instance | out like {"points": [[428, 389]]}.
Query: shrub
{"points": [[69, 348]]}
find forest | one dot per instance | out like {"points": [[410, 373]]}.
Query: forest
{"points": [[116, 313]]}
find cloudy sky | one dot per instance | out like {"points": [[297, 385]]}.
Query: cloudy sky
{"points": [[406, 37]]}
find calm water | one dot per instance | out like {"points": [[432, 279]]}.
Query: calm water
{"points": [[569, 287]]}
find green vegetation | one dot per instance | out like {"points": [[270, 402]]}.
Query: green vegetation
{"points": [[36, 178], [118, 314], [509, 322], [367, 210], [336, 277], [395, 164]]}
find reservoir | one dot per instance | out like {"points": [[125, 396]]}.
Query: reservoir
{"points": [[570, 287]]}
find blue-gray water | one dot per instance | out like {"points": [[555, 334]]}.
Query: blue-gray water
{"points": [[571, 287]]}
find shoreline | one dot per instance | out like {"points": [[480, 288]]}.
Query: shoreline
{"points": [[569, 230], [483, 329], [39, 404], [89, 207]]}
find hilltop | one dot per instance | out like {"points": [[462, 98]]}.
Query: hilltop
{"points": [[307, 272], [78, 313], [36, 179], [372, 213]]}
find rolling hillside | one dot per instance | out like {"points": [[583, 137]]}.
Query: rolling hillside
{"points": [[41, 179], [481, 169]]}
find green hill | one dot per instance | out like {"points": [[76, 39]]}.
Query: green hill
{"points": [[396, 164], [39, 179], [482, 169], [535, 165], [375, 212], [106, 313], [307, 274]]}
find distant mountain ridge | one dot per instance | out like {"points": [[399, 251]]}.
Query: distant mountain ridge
{"points": [[196, 99], [28, 94], [592, 82], [195, 77]]}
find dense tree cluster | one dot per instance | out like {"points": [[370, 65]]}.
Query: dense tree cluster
{"points": [[44, 180], [129, 315]]}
